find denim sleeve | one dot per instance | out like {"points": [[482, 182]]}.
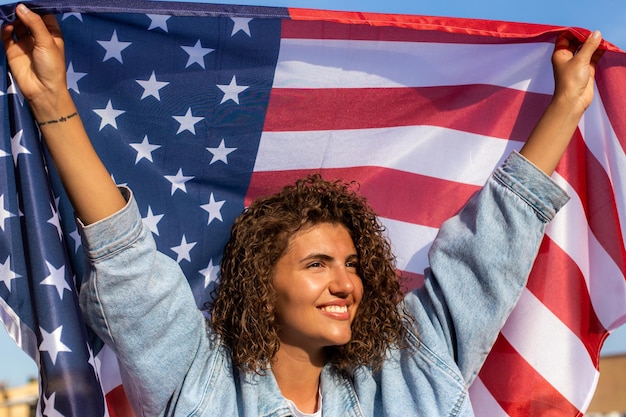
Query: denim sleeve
{"points": [[480, 262], [138, 301]]}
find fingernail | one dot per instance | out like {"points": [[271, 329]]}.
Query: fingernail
{"points": [[23, 9], [596, 34]]}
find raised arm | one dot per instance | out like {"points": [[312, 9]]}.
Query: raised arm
{"points": [[574, 71], [35, 53]]}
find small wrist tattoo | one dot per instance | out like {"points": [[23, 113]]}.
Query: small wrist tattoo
{"points": [[60, 120]]}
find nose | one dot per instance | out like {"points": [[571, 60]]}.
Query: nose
{"points": [[342, 283]]}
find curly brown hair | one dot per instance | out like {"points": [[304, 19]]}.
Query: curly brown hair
{"points": [[243, 312]]}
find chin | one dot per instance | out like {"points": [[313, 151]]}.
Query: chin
{"points": [[341, 341]]}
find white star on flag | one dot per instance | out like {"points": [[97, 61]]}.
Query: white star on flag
{"points": [[151, 220], [209, 273], [108, 115], [77, 240], [196, 54], [213, 208], [51, 343], [232, 90], [241, 24], [6, 274], [49, 408], [93, 361], [220, 153], [187, 122], [158, 21], [16, 146], [76, 15], [182, 250], [114, 48], [144, 149], [73, 78], [13, 89], [151, 87], [4, 213], [56, 221], [56, 279], [178, 181]]}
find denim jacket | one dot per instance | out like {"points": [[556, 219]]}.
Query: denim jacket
{"points": [[139, 302]]}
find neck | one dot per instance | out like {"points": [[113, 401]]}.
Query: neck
{"points": [[298, 377]]}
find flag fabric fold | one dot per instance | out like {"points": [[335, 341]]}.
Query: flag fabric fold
{"points": [[200, 108]]}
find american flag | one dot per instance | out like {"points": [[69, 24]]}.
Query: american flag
{"points": [[200, 108]]}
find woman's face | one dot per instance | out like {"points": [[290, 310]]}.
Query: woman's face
{"points": [[318, 289]]}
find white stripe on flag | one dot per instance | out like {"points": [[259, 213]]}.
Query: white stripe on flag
{"points": [[483, 402], [109, 370], [312, 63], [23, 336], [421, 150], [605, 282], [410, 243], [602, 141], [551, 348]]}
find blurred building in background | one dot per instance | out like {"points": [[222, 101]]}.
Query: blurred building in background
{"points": [[19, 401], [610, 397]]}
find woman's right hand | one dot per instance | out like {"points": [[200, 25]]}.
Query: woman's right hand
{"points": [[35, 54]]}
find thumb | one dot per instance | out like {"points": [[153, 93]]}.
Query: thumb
{"points": [[41, 30], [588, 49]]}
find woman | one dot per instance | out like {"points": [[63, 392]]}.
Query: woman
{"points": [[306, 319]]}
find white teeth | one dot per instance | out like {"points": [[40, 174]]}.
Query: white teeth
{"points": [[335, 309]]}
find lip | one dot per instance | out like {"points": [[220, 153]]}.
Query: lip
{"points": [[337, 314]]}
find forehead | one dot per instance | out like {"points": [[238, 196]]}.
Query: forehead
{"points": [[321, 235]]}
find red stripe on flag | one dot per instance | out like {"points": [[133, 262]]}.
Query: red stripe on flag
{"points": [[405, 198], [504, 113], [117, 403], [586, 175], [325, 24], [560, 286], [411, 280], [535, 396], [611, 82]]}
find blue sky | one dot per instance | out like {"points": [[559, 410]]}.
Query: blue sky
{"points": [[606, 15]]}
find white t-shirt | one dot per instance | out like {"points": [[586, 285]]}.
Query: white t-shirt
{"points": [[298, 413]]}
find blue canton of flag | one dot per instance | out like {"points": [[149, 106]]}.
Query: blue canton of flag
{"points": [[206, 84]]}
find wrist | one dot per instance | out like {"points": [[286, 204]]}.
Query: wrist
{"points": [[61, 119], [51, 109], [565, 110], [568, 107]]}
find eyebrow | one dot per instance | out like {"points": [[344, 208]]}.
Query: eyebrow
{"points": [[325, 257]]}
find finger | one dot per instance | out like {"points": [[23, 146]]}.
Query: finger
{"points": [[566, 41], [16, 35], [34, 23], [589, 48], [7, 35]]}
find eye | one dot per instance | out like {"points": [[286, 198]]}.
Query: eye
{"points": [[351, 264], [314, 265]]}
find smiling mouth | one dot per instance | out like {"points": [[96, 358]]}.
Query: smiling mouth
{"points": [[335, 309]]}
